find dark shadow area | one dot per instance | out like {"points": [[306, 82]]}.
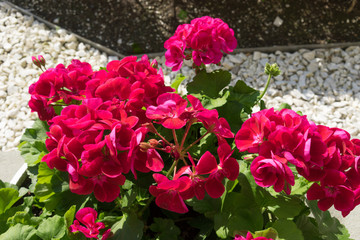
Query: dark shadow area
{"points": [[136, 26]]}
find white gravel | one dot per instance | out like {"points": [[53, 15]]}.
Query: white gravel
{"points": [[323, 83]]}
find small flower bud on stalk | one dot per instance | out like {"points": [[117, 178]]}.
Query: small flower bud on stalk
{"points": [[39, 61], [42, 60], [144, 146], [153, 143], [250, 157], [154, 64], [36, 61], [272, 69]]}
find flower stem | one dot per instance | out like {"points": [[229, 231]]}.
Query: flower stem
{"points": [[157, 133], [265, 89], [198, 140], [185, 135], [175, 139]]}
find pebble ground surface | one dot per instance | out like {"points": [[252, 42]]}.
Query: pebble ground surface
{"points": [[323, 84]]}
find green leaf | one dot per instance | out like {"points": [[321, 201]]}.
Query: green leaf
{"points": [[209, 84], [207, 206], [284, 206], [36, 132], [267, 233], [129, 227], [328, 226], [69, 216], [19, 232], [178, 80], [205, 226], [308, 227], [21, 217], [244, 94], [8, 196], [287, 230], [166, 229], [52, 228], [4, 226], [240, 211], [284, 106], [33, 152], [232, 111]]}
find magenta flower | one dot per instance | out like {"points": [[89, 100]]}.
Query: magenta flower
{"points": [[169, 111], [332, 191], [168, 192], [91, 229], [205, 40], [272, 172], [175, 55], [228, 167]]}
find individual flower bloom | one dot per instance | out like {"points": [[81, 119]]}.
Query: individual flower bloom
{"points": [[292, 120], [184, 33], [228, 167], [254, 131], [169, 111], [332, 191], [225, 37], [168, 192], [214, 124], [272, 172], [136, 157], [89, 227], [249, 236], [114, 88], [207, 57], [40, 105], [107, 189], [174, 56], [49, 82], [206, 164], [356, 202], [202, 39]]}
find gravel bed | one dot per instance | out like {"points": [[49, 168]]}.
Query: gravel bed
{"points": [[323, 83]]}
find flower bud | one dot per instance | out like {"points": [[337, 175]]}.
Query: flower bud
{"points": [[154, 64], [272, 69], [153, 142], [144, 146], [36, 61], [41, 60]]}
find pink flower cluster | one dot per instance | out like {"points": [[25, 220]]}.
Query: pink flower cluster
{"points": [[57, 84], [91, 229], [206, 39], [207, 175], [323, 155], [195, 180], [96, 142], [103, 135]]}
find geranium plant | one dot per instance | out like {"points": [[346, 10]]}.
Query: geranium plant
{"points": [[117, 154]]}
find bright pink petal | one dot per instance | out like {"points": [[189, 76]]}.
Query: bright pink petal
{"points": [[206, 164]]}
